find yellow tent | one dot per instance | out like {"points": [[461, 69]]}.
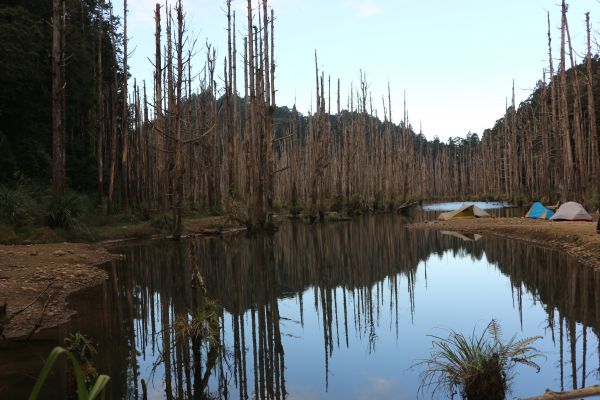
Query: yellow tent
{"points": [[464, 212]]}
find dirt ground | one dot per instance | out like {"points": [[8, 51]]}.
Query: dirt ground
{"points": [[576, 238], [35, 281]]}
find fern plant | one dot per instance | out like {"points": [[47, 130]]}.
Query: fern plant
{"points": [[478, 367]]}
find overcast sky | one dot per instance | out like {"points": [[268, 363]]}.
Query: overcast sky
{"points": [[456, 60]]}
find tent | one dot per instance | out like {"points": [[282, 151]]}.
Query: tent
{"points": [[571, 211], [538, 211], [464, 212]]}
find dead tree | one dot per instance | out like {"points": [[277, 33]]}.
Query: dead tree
{"points": [[178, 180], [580, 151], [567, 177], [228, 113], [100, 106], [125, 128], [113, 123], [159, 128], [554, 132], [58, 98], [591, 106]]}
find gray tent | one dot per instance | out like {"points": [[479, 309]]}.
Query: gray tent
{"points": [[571, 211]]}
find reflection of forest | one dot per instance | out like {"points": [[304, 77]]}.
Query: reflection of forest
{"points": [[344, 265]]}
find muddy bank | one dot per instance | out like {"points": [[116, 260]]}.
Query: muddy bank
{"points": [[35, 281], [577, 238]]}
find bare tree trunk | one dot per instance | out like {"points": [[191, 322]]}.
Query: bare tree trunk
{"points": [[58, 98], [258, 204], [580, 156], [158, 116], [593, 148], [236, 122], [273, 59], [113, 128], [554, 133], [178, 181], [228, 114], [247, 142], [100, 107], [268, 141], [564, 112], [125, 128], [171, 111]]}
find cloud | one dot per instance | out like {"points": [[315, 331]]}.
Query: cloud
{"points": [[368, 9], [379, 388]]}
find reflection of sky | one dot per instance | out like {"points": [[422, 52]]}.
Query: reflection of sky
{"points": [[453, 205], [455, 292]]}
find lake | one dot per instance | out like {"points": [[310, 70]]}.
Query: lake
{"points": [[332, 311]]}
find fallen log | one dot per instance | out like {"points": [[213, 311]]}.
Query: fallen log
{"points": [[570, 394]]}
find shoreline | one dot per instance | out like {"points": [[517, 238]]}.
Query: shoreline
{"points": [[578, 238], [37, 279]]}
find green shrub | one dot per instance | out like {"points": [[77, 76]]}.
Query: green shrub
{"points": [[237, 211], [337, 203], [479, 367], [17, 208], [354, 203], [63, 212], [164, 222], [7, 234], [295, 210], [278, 205], [215, 212], [377, 201]]}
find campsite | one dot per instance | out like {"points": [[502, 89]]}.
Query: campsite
{"points": [[275, 199]]}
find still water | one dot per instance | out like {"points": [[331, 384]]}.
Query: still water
{"points": [[334, 311]]}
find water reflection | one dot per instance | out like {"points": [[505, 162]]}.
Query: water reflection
{"points": [[339, 310], [453, 205]]}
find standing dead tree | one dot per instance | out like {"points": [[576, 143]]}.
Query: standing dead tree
{"points": [[125, 170], [178, 181], [203, 150], [100, 106], [58, 97], [113, 113]]}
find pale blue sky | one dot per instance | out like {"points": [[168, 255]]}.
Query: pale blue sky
{"points": [[455, 59]]}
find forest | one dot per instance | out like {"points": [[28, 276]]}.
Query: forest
{"points": [[75, 122], [90, 152]]}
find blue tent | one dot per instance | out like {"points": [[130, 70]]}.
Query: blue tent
{"points": [[538, 211]]}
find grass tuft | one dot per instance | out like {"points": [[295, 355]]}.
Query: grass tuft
{"points": [[478, 367]]}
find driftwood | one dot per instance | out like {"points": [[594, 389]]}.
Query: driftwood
{"points": [[572, 394], [407, 204], [5, 319]]}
